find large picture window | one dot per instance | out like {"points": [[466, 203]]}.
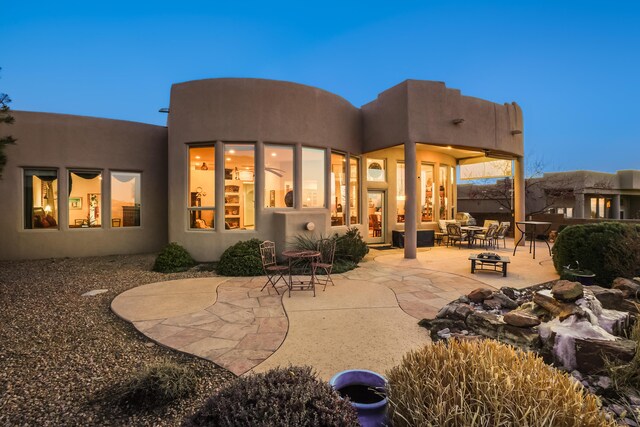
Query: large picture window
{"points": [[313, 170], [400, 192], [126, 197], [85, 199], [201, 203], [239, 186], [354, 190], [278, 176], [427, 190], [338, 188], [40, 198]]}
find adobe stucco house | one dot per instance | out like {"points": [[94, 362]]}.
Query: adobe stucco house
{"points": [[245, 158]]}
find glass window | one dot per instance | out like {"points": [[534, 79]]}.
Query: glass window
{"points": [[375, 170], [427, 189], [239, 187], [126, 198], [354, 190], [202, 200], [338, 188], [40, 198], [85, 199], [400, 194], [445, 194], [278, 176], [313, 169]]}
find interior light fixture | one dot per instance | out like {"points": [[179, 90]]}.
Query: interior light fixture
{"points": [[232, 151], [228, 159], [197, 157], [273, 154]]}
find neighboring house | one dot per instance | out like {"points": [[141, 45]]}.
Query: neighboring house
{"points": [[247, 158], [574, 194]]}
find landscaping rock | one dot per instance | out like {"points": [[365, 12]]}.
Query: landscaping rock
{"points": [[435, 325], [555, 307], [521, 319], [564, 290], [455, 311], [613, 299], [629, 288], [464, 299], [492, 304], [591, 353], [505, 301], [95, 292], [480, 294], [511, 292]]}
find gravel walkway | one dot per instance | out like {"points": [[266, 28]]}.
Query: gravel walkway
{"points": [[58, 349]]}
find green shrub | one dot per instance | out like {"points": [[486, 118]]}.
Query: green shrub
{"points": [[154, 386], [481, 383], [173, 258], [290, 396], [241, 259], [609, 249], [350, 246]]}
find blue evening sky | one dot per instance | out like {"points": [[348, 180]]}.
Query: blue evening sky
{"points": [[573, 66]]}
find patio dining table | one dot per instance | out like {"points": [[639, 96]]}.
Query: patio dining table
{"points": [[530, 228], [302, 284], [472, 230]]}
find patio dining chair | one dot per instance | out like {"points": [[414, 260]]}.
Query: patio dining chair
{"points": [[455, 234], [487, 238], [327, 249], [272, 270], [501, 234]]}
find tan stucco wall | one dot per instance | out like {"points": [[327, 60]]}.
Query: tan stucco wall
{"points": [[251, 110], [423, 111], [63, 141]]}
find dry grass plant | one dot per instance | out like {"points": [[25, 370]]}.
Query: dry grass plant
{"points": [[627, 376], [486, 383]]}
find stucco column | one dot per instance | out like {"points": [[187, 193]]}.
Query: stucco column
{"points": [[411, 201], [347, 208], [327, 184], [219, 186], [578, 206], [297, 178], [615, 206], [518, 197]]}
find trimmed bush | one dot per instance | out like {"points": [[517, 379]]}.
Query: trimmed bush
{"points": [[154, 386], [173, 258], [481, 383], [241, 259], [609, 249], [280, 397], [350, 246]]}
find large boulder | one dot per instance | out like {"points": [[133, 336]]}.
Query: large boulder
{"points": [[505, 301], [591, 354], [629, 288], [521, 319], [455, 311], [564, 290], [492, 326], [555, 307], [613, 299], [480, 294]]}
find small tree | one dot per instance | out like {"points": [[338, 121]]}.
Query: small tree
{"points": [[5, 117]]}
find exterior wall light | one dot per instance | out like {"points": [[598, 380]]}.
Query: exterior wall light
{"points": [[310, 226], [516, 132], [457, 121]]}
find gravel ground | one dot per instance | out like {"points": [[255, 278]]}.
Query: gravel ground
{"points": [[59, 349]]}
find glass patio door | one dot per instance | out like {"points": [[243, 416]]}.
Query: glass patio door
{"points": [[375, 200]]}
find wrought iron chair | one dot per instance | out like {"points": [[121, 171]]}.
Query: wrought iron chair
{"points": [[327, 249], [270, 266], [502, 234], [488, 237], [455, 234]]}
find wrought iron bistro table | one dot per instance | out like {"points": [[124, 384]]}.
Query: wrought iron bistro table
{"points": [[532, 226], [302, 285]]}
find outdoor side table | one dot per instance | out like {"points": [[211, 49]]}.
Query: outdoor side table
{"points": [[490, 264], [302, 285], [532, 227]]}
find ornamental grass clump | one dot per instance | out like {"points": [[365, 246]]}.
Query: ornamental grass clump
{"points": [[172, 259], [155, 385], [290, 396], [481, 383]]}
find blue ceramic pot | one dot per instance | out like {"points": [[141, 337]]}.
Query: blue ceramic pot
{"points": [[367, 391]]}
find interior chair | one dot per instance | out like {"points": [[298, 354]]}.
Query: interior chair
{"points": [[455, 234], [272, 270], [487, 238], [375, 224], [327, 249], [501, 234]]}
